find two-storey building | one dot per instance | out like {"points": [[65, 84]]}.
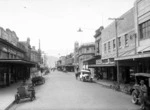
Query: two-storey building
{"points": [[105, 41], [86, 51], [12, 58], [141, 57]]}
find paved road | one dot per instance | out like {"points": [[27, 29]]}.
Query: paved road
{"points": [[63, 92]]}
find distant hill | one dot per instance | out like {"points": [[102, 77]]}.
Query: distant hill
{"points": [[51, 60]]}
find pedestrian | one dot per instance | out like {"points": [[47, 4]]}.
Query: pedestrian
{"points": [[77, 74], [143, 93]]}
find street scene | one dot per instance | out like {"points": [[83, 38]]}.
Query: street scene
{"points": [[75, 55], [63, 92]]}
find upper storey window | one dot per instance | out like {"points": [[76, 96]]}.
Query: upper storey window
{"points": [[145, 30]]}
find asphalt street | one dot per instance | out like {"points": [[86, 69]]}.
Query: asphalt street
{"points": [[63, 92]]}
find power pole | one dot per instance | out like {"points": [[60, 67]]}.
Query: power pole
{"points": [[117, 54]]}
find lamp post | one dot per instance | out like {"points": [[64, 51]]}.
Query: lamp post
{"points": [[117, 54]]}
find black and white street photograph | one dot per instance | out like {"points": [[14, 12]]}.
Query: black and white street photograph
{"points": [[74, 54]]}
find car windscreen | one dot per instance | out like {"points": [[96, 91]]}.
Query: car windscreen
{"points": [[86, 73]]}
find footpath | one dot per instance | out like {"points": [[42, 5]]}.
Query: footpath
{"points": [[125, 88], [7, 94]]}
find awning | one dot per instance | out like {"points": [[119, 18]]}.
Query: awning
{"points": [[17, 61], [92, 59], [143, 48], [141, 55], [69, 65], [102, 65]]}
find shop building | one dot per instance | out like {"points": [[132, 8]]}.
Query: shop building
{"points": [[85, 52], [12, 59], [105, 41], [61, 63], [36, 58], [141, 58], [69, 63]]}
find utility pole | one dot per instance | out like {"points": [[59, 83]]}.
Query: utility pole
{"points": [[117, 54]]}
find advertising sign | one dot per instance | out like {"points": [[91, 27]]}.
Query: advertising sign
{"points": [[99, 61]]}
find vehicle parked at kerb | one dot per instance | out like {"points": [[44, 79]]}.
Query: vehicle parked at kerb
{"points": [[38, 80], [138, 96], [25, 91], [85, 75]]}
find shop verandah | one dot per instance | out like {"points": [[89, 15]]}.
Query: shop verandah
{"points": [[105, 71], [139, 63], [13, 70]]}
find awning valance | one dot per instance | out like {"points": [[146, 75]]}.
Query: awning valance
{"points": [[17, 61], [141, 55], [102, 65], [92, 59]]}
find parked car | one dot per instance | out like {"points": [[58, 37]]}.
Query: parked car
{"points": [[25, 91], [85, 75], [137, 89], [37, 80]]}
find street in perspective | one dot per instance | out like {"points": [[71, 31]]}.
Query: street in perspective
{"points": [[75, 55], [63, 91]]}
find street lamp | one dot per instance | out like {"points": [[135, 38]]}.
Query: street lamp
{"points": [[80, 30], [117, 19]]}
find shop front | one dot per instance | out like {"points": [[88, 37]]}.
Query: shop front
{"points": [[105, 71], [12, 71], [129, 65], [69, 68]]}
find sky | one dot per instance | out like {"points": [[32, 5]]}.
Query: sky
{"points": [[55, 22]]}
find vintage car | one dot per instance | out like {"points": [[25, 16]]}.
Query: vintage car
{"points": [[136, 89], [37, 80], [85, 75], [25, 91]]}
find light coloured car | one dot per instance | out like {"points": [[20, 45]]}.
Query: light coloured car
{"points": [[85, 75]]}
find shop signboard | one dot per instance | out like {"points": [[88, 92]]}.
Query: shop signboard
{"points": [[4, 49], [99, 61]]}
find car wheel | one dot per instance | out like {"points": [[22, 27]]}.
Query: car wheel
{"points": [[83, 79], [134, 97], [16, 99]]}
